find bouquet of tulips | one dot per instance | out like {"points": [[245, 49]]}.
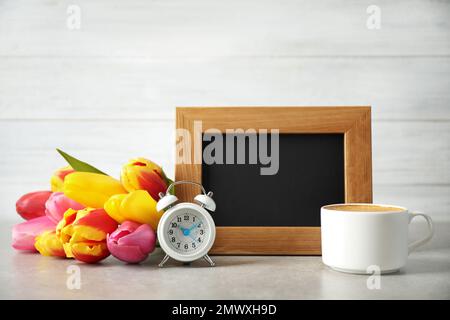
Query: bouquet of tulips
{"points": [[89, 215]]}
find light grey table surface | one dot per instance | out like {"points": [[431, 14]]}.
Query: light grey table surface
{"points": [[31, 276]]}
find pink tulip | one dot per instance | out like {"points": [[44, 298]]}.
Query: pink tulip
{"points": [[57, 204], [132, 242], [32, 205], [24, 234]]}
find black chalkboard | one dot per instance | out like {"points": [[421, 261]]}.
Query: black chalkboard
{"points": [[310, 175]]}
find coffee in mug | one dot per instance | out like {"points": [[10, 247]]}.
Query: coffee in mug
{"points": [[356, 236]]}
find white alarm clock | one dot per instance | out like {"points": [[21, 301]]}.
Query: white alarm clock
{"points": [[186, 231]]}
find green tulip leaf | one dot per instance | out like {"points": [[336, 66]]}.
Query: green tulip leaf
{"points": [[79, 165], [168, 182]]}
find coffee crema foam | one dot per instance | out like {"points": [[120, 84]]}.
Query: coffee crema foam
{"points": [[363, 208]]}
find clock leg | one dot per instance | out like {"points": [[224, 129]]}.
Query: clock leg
{"points": [[163, 261], [209, 260]]}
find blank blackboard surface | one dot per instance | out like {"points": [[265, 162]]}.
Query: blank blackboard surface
{"points": [[310, 175]]}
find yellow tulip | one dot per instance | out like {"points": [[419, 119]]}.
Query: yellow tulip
{"points": [[137, 206], [83, 234], [91, 189], [48, 244], [143, 174], [57, 179]]}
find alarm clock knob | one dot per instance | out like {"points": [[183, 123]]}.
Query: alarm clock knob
{"points": [[166, 201], [206, 201]]}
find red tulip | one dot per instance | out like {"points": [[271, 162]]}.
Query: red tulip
{"points": [[143, 174], [32, 205], [83, 234]]}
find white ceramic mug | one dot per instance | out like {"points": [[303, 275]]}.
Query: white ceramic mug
{"points": [[356, 236]]}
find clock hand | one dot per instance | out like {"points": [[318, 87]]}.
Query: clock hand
{"points": [[192, 237], [186, 232], [194, 226]]}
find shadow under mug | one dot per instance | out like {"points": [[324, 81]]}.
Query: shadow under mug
{"points": [[358, 237]]}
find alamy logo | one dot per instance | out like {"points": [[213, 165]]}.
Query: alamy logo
{"points": [[74, 279], [374, 20], [73, 21], [374, 281], [233, 146]]}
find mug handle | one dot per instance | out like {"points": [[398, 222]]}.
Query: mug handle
{"points": [[415, 244]]}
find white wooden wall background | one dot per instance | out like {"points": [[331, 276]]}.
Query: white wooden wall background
{"points": [[108, 91]]}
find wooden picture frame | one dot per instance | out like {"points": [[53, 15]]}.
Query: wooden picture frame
{"points": [[353, 122]]}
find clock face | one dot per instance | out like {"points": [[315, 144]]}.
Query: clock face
{"points": [[187, 231]]}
